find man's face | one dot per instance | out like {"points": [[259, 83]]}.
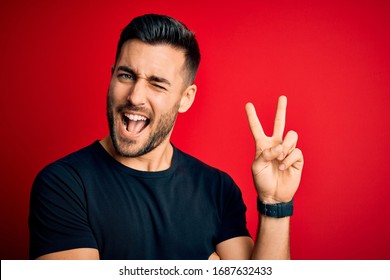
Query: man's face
{"points": [[144, 97]]}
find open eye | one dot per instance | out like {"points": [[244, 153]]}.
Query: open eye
{"points": [[125, 73], [126, 76]]}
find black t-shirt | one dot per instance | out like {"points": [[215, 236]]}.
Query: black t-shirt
{"points": [[89, 200]]}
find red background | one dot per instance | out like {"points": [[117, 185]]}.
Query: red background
{"points": [[330, 59]]}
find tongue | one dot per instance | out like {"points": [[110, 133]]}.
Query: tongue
{"points": [[135, 127]]}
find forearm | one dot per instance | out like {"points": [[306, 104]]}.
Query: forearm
{"points": [[273, 239]]}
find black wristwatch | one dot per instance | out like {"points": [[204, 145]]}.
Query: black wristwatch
{"points": [[277, 210]]}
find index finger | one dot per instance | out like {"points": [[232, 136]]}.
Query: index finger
{"points": [[254, 123], [280, 118]]}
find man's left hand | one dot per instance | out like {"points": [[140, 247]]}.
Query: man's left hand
{"points": [[278, 164]]}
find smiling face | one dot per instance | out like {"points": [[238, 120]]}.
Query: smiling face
{"points": [[147, 90]]}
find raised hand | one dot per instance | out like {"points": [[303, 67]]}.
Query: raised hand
{"points": [[278, 164]]}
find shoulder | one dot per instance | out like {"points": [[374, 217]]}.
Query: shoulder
{"points": [[67, 170], [74, 160], [202, 171], [189, 161]]}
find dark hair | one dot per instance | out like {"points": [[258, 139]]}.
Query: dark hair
{"points": [[160, 29]]}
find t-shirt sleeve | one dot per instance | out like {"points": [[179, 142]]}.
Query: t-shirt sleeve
{"points": [[233, 213], [58, 217]]}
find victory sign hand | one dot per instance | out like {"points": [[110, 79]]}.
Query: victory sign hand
{"points": [[278, 164]]}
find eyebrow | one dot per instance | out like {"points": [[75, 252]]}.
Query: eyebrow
{"points": [[159, 80], [127, 69], [152, 78]]}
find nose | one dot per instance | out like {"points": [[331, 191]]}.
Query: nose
{"points": [[137, 93]]}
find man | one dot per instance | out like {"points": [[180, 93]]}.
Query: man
{"points": [[133, 195]]}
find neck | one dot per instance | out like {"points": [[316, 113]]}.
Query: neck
{"points": [[158, 159]]}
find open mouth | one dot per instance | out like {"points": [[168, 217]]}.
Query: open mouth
{"points": [[134, 124]]}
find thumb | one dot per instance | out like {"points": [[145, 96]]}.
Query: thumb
{"points": [[262, 160], [271, 153]]}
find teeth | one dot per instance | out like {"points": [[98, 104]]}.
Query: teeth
{"points": [[135, 117]]}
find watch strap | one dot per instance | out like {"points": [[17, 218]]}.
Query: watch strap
{"points": [[277, 210]]}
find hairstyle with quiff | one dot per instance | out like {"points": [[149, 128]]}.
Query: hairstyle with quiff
{"points": [[156, 29]]}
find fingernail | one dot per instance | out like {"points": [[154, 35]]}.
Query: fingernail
{"points": [[281, 156], [282, 166]]}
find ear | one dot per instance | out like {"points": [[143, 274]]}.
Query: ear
{"points": [[187, 98]]}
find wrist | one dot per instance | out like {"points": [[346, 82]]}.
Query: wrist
{"points": [[268, 200]]}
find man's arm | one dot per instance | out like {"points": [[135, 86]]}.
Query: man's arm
{"points": [[58, 220], [273, 239], [273, 242], [238, 248], [73, 254], [276, 171]]}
